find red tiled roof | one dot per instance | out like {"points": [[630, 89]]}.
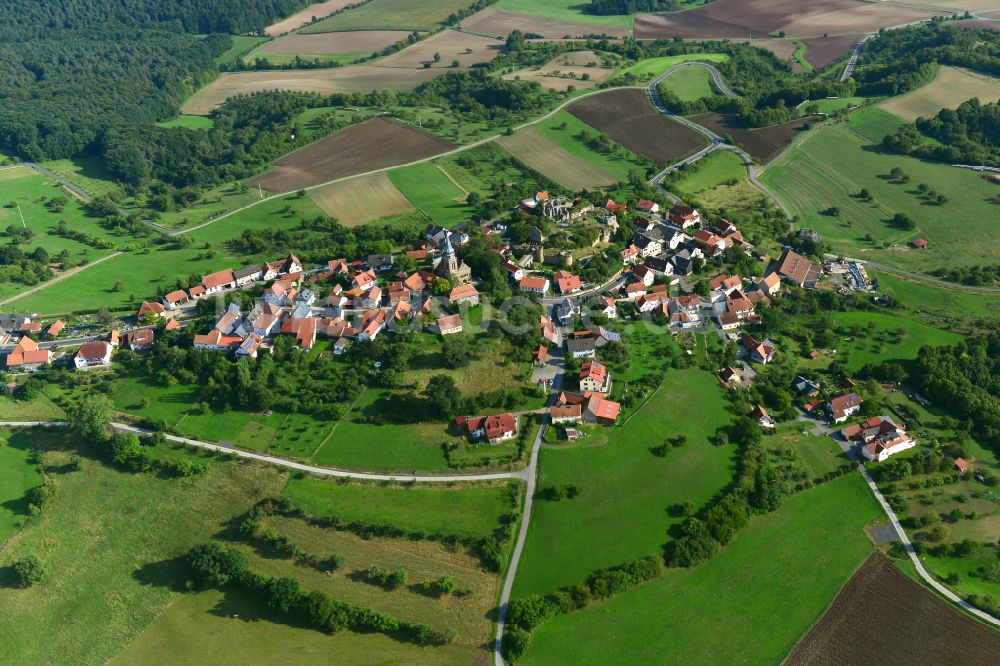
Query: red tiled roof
{"points": [[218, 279], [176, 296], [449, 323], [93, 351], [532, 282], [56, 328], [148, 307], [462, 291], [494, 426]]}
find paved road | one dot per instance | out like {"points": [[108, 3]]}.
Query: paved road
{"points": [[515, 557], [849, 68], [900, 532]]}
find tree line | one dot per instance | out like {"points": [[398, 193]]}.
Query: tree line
{"points": [[969, 134]]}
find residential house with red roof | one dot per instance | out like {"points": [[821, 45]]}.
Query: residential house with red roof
{"points": [[27, 356], [684, 216], [175, 299], [493, 429], [594, 376], [843, 406], [55, 329], [214, 340], [93, 355], [597, 409], [464, 294], [139, 339], [879, 438], [566, 282], [534, 285], [763, 419], [793, 267], [216, 282], [150, 308]]}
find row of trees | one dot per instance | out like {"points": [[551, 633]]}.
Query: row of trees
{"points": [[969, 134]]}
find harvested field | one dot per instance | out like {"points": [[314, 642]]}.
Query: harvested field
{"points": [[374, 144], [821, 51], [567, 70], [360, 41], [359, 78], [360, 200], [977, 25], [307, 16], [546, 157], [419, 15], [956, 5], [452, 45], [627, 117], [798, 18], [498, 23], [923, 629], [784, 49], [947, 90], [764, 143]]}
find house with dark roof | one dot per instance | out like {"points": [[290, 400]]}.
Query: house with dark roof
{"points": [[248, 274], [581, 347], [793, 267], [93, 355], [843, 406]]}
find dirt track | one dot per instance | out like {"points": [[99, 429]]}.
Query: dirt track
{"points": [[374, 144], [882, 617], [627, 117]]}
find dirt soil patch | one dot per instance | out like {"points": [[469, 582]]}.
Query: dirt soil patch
{"points": [[951, 87], [307, 16], [543, 155], [374, 144], [359, 41], [821, 51], [784, 49], [362, 199], [452, 45], [798, 18], [764, 143], [498, 23], [358, 78], [883, 617], [627, 117]]}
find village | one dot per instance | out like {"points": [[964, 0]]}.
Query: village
{"points": [[351, 301]]}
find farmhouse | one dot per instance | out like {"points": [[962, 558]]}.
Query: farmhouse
{"points": [[214, 340], [566, 282], [216, 282], [763, 419], [600, 410], [595, 377], [493, 429], [879, 438], [26, 355], [175, 299], [55, 329], [795, 268], [648, 207], [93, 355], [843, 406], [565, 413], [760, 352], [248, 274], [150, 308], [770, 284]]}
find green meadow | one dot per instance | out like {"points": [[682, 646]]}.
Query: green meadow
{"points": [[567, 131], [429, 188], [18, 475], [717, 168]]}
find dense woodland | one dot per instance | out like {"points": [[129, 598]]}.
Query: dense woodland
{"points": [[605, 7], [969, 134]]}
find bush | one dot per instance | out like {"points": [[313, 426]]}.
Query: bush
{"points": [[29, 570], [515, 642], [215, 565]]}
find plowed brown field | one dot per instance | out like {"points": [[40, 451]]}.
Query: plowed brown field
{"points": [[882, 617], [627, 117], [764, 143], [821, 51], [374, 144]]}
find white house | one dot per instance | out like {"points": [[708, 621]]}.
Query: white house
{"points": [[93, 355]]}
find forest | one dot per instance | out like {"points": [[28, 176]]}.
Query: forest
{"points": [[605, 7], [969, 134]]}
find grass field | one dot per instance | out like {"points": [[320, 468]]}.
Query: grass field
{"points": [[429, 187], [241, 44], [189, 122], [547, 157], [653, 67], [621, 511], [213, 203], [472, 511], [690, 83], [816, 454], [562, 10], [761, 592], [617, 162], [871, 337], [940, 305], [718, 168], [87, 173], [359, 200], [874, 123], [951, 87], [390, 15], [17, 475], [39, 409], [831, 166], [109, 569]]}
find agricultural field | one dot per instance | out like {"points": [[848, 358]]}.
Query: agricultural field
{"points": [[763, 143], [690, 83], [499, 23], [934, 631], [357, 78], [374, 144], [625, 491], [547, 157], [563, 10], [310, 14], [581, 70], [328, 45], [732, 18], [949, 88], [627, 117], [18, 475], [470, 511], [939, 305], [390, 15], [821, 52], [576, 137], [432, 189], [830, 168], [717, 168], [872, 123], [241, 44], [362, 199], [451, 46], [790, 565]]}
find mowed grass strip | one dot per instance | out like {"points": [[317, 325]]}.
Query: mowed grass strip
{"points": [[831, 166], [390, 15], [429, 188], [472, 511], [359, 200], [949, 88], [548, 158], [625, 491], [747, 605]]}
